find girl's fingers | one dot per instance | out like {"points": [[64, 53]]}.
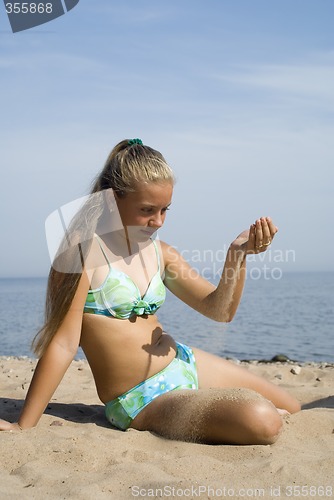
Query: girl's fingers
{"points": [[272, 228], [251, 238], [5, 426], [259, 234], [265, 231]]}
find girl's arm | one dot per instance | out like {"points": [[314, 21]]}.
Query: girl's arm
{"points": [[218, 303], [53, 364]]}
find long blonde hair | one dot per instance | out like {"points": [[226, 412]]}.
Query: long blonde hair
{"points": [[129, 163]]}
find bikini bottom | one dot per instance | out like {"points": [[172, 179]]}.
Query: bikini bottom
{"points": [[180, 374]]}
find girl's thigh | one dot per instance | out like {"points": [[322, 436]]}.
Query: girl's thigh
{"points": [[215, 372]]}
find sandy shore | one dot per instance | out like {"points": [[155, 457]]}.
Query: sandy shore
{"points": [[74, 453]]}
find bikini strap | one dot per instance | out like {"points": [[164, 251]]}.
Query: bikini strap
{"points": [[157, 253], [100, 242]]}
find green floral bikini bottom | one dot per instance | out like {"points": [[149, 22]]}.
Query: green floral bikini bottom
{"points": [[180, 374]]}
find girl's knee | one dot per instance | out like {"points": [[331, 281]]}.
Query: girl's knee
{"points": [[265, 422], [243, 416]]}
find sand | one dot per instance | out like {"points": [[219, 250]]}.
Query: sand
{"points": [[74, 453]]}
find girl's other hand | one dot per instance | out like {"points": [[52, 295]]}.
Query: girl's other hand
{"points": [[7, 426]]}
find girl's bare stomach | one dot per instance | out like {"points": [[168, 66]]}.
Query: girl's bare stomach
{"points": [[123, 353]]}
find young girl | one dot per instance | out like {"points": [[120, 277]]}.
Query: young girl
{"points": [[105, 286]]}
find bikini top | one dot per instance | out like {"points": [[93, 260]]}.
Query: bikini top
{"points": [[119, 296]]}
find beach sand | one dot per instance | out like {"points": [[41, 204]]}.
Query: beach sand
{"points": [[74, 453]]}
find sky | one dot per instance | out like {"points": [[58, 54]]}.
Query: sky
{"points": [[238, 95]]}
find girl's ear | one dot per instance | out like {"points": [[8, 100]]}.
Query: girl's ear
{"points": [[119, 195], [111, 200], [110, 219]]}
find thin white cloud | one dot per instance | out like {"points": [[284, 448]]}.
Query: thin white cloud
{"points": [[132, 12], [27, 61], [304, 80]]}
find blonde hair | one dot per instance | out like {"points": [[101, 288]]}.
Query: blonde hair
{"points": [[128, 165]]}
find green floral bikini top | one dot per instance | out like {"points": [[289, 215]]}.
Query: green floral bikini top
{"points": [[119, 296]]}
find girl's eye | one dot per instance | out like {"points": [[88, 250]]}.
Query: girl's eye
{"points": [[149, 210]]}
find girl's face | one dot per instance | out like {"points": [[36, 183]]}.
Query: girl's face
{"points": [[146, 207]]}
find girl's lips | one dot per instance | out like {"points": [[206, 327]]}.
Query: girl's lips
{"points": [[148, 231]]}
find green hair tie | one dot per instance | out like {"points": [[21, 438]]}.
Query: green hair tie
{"points": [[131, 142]]}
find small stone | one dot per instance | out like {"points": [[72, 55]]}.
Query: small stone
{"points": [[318, 379], [279, 376], [56, 423], [296, 370], [281, 358]]}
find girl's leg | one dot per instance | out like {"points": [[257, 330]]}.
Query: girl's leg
{"points": [[231, 416], [214, 372]]}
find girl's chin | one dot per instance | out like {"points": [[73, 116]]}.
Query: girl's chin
{"points": [[140, 233]]}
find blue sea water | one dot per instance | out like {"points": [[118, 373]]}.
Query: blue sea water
{"points": [[293, 315]]}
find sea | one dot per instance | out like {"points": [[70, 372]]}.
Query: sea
{"points": [[293, 315]]}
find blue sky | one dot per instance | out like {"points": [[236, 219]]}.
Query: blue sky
{"points": [[238, 96]]}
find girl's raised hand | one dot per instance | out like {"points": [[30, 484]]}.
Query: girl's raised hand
{"points": [[261, 234], [258, 238]]}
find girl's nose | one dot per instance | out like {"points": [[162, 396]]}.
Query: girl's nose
{"points": [[156, 221]]}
